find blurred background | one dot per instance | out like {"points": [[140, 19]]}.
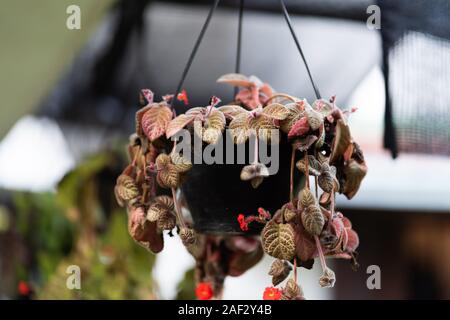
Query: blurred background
{"points": [[68, 99]]}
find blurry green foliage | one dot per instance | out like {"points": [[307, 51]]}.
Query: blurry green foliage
{"points": [[186, 288], [78, 225]]}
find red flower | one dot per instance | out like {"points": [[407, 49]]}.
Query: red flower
{"points": [[182, 96], [23, 288], [242, 223], [272, 293], [204, 291]]}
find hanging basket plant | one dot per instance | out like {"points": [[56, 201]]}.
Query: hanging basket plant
{"points": [[239, 211]]}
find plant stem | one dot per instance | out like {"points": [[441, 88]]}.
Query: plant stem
{"points": [[177, 209], [256, 149], [332, 203], [306, 169], [316, 180], [295, 270], [321, 256], [291, 182]]}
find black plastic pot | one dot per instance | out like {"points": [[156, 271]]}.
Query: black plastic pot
{"points": [[215, 194]]}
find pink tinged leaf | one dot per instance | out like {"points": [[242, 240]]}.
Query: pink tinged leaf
{"points": [[265, 92], [143, 231], [235, 79], [245, 96], [299, 128], [155, 121], [214, 101], [352, 241], [347, 223], [178, 123], [337, 227], [305, 246], [148, 95]]}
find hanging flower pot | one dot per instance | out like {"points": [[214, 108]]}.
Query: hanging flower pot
{"points": [[215, 193], [238, 211]]}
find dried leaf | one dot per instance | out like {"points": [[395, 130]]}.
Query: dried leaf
{"points": [[155, 121], [299, 128], [276, 111], [177, 124], [278, 240], [354, 173], [313, 220], [143, 231], [341, 140]]}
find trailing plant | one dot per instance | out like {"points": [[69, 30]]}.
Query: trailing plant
{"points": [[305, 228]]}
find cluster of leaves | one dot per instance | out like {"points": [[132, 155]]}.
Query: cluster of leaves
{"points": [[142, 187], [304, 228], [307, 226], [148, 188]]}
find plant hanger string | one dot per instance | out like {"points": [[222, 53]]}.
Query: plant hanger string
{"points": [[195, 49], [297, 43], [239, 45], [239, 41]]}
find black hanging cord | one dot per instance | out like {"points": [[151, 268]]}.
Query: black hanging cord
{"points": [[291, 28], [194, 50], [239, 41]]}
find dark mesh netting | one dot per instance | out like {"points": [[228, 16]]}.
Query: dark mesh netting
{"points": [[416, 54]]}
